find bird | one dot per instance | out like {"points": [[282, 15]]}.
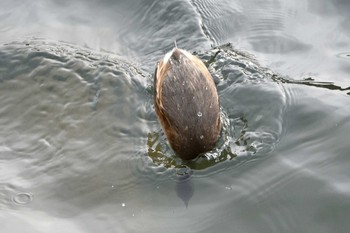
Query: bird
{"points": [[186, 103]]}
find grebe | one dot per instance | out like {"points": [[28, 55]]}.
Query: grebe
{"points": [[187, 103]]}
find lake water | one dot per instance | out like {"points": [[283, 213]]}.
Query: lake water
{"points": [[81, 149]]}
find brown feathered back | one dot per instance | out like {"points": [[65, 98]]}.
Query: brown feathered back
{"points": [[187, 103]]}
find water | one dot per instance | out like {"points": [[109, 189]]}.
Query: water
{"points": [[81, 148]]}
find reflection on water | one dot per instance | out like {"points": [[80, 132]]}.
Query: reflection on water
{"points": [[311, 82], [81, 147]]}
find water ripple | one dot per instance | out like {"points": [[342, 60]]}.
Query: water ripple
{"points": [[219, 18], [345, 55], [68, 115], [253, 106]]}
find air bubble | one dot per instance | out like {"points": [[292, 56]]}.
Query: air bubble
{"points": [[199, 114], [22, 198]]}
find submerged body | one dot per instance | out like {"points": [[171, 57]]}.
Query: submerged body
{"points": [[187, 103]]}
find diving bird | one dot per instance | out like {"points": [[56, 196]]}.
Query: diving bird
{"points": [[187, 103]]}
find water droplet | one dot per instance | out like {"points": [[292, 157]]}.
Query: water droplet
{"points": [[186, 127], [199, 114], [22, 198], [183, 83], [123, 205], [201, 137], [206, 88], [210, 106]]}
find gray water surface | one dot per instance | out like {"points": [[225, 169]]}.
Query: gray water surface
{"points": [[81, 148]]}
